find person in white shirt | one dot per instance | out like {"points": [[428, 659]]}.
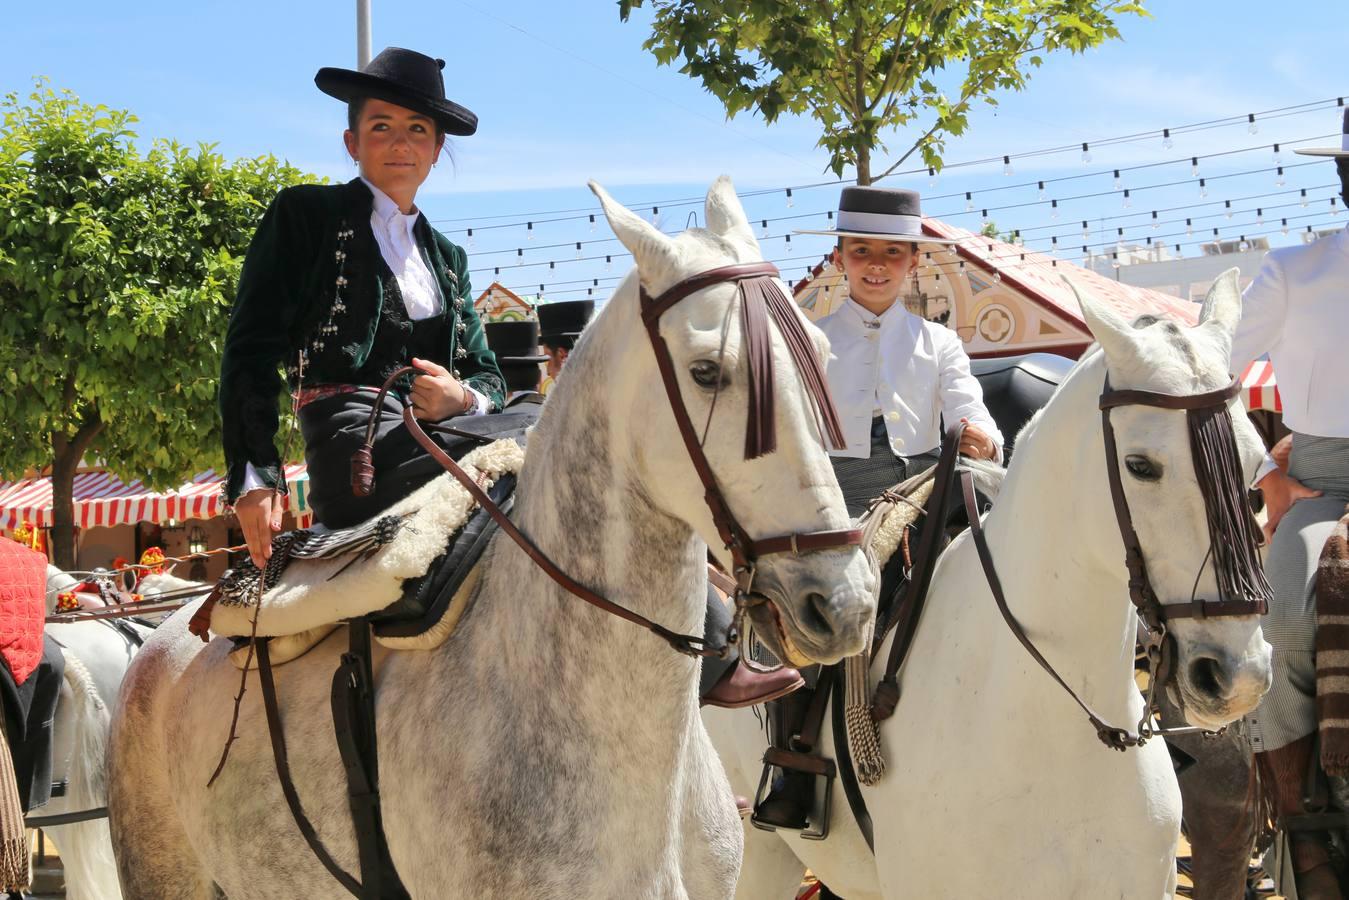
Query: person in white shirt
{"points": [[1297, 311], [896, 378]]}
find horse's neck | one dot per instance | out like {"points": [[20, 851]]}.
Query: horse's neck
{"points": [[1076, 610], [582, 503]]}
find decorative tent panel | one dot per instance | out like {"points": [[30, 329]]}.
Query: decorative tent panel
{"points": [[102, 499], [1259, 388]]}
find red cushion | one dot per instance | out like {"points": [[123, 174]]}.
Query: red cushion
{"points": [[23, 607]]}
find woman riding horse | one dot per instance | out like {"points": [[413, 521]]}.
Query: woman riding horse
{"points": [[345, 284]]}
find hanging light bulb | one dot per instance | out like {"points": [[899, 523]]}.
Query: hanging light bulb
{"points": [[1203, 188], [608, 263], [592, 223], [472, 244], [1086, 231], [1278, 158], [1259, 216], [1127, 202], [519, 256], [1251, 126], [1283, 223], [1086, 256], [578, 249], [655, 216], [1042, 191], [590, 292], [1279, 180], [1242, 245], [1155, 223], [983, 221], [540, 293], [497, 271], [1007, 165], [1189, 227], [829, 215], [1227, 208], [961, 271], [1167, 143], [1194, 167], [763, 228], [1114, 259], [1304, 198], [1054, 244], [1053, 209], [790, 201], [789, 241], [997, 277], [1119, 183], [1086, 152], [931, 176], [969, 202]]}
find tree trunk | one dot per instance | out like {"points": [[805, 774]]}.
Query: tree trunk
{"points": [[66, 455], [864, 165]]}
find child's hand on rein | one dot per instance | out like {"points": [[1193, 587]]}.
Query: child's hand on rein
{"points": [[975, 443], [436, 394]]}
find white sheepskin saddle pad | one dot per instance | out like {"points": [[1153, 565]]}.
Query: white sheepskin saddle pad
{"points": [[884, 522], [313, 595]]}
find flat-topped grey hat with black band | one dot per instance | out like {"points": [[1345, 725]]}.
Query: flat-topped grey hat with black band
{"points": [[887, 214], [1339, 152], [405, 78]]}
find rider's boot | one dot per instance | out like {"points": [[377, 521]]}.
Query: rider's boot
{"points": [[741, 686], [1284, 771]]}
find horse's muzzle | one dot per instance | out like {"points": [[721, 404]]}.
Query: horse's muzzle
{"points": [[819, 608]]}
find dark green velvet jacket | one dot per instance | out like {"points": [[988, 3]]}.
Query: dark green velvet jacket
{"points": [[314, 245]]}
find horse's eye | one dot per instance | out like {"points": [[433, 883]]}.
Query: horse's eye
{"points": [[1142, 468], [706, 373]]}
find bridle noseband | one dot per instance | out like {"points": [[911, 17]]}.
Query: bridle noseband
{"points": [[762, 297]]}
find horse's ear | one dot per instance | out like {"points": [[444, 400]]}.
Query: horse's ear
{"points": [[1111, 331], [651, 247], [726, 216], [1222, 303]]}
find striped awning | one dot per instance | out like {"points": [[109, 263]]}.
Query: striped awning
{"points": [[103, 499], [1259, 387]]}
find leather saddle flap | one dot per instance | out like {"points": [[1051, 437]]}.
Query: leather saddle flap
{"points": [[421, 547]]}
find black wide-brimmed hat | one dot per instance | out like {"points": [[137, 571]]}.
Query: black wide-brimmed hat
{"points": [[566, 319], [405, 78], [515, 343], [887, 214], [1335, 152]]}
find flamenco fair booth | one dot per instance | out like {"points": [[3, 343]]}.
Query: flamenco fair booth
{"points": [[501, 304], [1005, 300], [114, 519]]}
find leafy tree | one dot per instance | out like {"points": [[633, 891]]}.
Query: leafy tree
{"points": [[863, 68], [117, 271]]}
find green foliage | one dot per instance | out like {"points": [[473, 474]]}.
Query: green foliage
{"points": [[117, 271], [863, 68]]}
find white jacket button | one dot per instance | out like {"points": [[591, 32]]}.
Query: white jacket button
{"points": [[892, 416]]}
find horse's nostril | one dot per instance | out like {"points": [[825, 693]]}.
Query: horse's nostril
{"points": [[1208, 677], [818, 618]]}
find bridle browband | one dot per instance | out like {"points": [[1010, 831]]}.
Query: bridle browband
{"points": [[758, 302]]}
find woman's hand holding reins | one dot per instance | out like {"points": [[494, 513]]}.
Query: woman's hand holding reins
{"points": [[436, 394], [259, 514]]}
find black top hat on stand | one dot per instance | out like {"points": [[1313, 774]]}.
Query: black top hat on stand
{"points": [[562, 323], [405, 78], [516, 345]]}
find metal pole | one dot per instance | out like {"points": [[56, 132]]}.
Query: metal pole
{"points": [[362, 33]]}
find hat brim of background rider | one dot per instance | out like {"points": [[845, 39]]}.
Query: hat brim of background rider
{"points": [[879, 214], [404, 78], [1339, 152], [522, 360]]}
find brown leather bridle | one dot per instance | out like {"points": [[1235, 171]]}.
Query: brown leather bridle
{"points": [[745, 551], [1217, 483]]}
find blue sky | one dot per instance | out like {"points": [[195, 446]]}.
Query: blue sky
{"points": [[565, 92]]}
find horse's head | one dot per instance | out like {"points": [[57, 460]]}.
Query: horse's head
{"points": [[767, 461], [1183, 474]]}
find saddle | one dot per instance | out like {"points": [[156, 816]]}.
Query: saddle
{"points": [[401, 570]]}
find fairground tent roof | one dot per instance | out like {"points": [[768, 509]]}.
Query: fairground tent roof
{"points": [[102, 499]]}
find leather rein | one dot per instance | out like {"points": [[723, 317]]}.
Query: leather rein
{"points": [[745, 551], [1154, 614]]}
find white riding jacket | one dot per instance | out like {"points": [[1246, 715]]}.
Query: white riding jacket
{"points": [[911, 370], [1297, 311]]}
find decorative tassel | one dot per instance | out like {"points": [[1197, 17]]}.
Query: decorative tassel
{"points": [[864, 734], [15, 875]]}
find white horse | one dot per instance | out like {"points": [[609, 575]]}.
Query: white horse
{"points": [[996, 783], [97, 655], [547, 749]]}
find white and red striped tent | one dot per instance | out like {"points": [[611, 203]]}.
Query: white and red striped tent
{"points": [[102, 499], [1259, 389]]}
